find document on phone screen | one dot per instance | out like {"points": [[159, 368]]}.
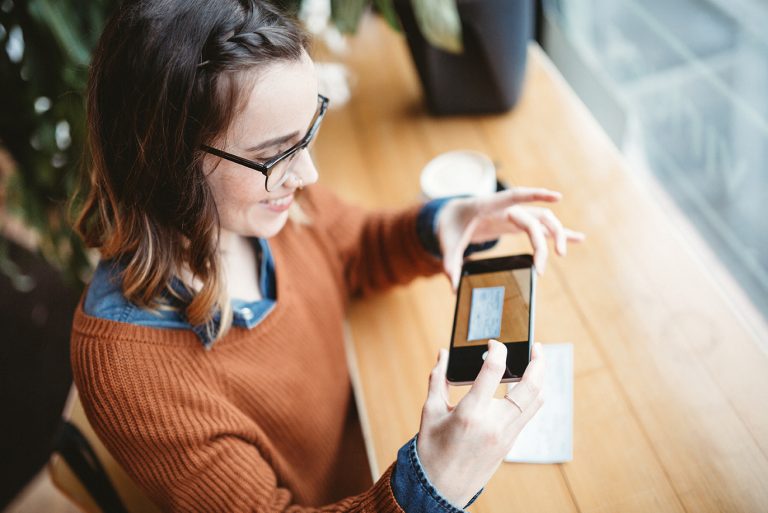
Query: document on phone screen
{"points": [[485, 313], [548, 436]]}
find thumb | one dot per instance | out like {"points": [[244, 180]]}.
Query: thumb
{"points": [[452, 270], [453, 257]]}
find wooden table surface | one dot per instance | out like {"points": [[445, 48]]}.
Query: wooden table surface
{"points": [[671, 367]]}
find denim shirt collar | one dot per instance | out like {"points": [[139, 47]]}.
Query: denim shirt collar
{"points": [[104, 299]]}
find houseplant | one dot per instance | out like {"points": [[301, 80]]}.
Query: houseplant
{"points": [[487, 75], [45, 48], [44, 70], [470, 54], [438, 20]]}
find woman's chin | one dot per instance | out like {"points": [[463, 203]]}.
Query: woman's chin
{"points": [[265, 230]]}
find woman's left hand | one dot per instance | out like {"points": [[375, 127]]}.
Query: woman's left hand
{"points": [[463, 221]]}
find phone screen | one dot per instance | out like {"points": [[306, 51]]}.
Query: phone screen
{"points": [[492, 305]]}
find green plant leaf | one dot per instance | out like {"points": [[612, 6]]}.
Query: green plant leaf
{"points": [[58, 39], [387, 10], [439, 22], [63, 24], [346, 14]]}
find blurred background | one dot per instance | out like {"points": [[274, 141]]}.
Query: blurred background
{"points": [[678, 85]]}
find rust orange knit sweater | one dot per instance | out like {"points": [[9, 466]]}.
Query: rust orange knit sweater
{"points": [[258, 422]]}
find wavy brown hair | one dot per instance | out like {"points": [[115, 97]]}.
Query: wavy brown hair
{"points": [[166, 77]]}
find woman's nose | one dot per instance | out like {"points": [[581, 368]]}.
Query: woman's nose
{"points": [[304, 169]]}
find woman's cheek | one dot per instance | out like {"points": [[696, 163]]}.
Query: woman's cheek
{"points": [[237, 195], [237, 187], [241, 204]]}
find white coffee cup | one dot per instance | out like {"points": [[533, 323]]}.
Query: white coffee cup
{"points": [[457, 173]]}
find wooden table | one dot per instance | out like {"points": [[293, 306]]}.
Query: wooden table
{"points": [[671, 367]]}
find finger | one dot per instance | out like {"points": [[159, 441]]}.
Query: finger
{"points": [[574, 236], [452, 267], [437, 395], [517, 195], [556, 229], [535, 232], [489, 376], [526, 393]]}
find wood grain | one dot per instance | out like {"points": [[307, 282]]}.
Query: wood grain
{"points": [[671, 370]]}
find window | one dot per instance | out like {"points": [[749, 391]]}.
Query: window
{"points": [[682, 88]]}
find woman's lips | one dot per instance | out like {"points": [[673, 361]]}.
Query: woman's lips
{"points": [[280, 204]]}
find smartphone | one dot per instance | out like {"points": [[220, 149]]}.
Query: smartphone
{"points": [[495, 300]]}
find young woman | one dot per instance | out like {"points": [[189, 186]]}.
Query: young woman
{"points": [[208, 348]]}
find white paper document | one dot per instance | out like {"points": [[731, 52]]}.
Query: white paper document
{"points": [[548, 437]]}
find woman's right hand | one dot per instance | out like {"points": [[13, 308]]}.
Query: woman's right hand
{"points": [[461, 446]]}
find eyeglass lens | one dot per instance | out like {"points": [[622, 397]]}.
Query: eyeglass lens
{"points": [[279, 172]]}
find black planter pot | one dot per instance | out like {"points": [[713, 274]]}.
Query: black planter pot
{"points": [[488, 76]]}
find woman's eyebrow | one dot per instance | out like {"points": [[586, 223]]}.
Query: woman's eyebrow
{"points": [[273, 142]]}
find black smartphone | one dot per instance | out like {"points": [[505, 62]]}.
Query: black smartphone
{"points": [[495, 300]]}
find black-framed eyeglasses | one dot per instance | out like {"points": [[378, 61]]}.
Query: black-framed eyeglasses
{"points": [[276, 168]]}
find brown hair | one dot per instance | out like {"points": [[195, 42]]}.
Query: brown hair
{"points": [[166, 77]]}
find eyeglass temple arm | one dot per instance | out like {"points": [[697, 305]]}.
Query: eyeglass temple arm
{"points": [[234, 158]]}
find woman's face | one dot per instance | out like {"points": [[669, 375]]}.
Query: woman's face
{"points": [[277, 114]]}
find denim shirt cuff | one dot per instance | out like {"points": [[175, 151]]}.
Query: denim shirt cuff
{"points": [[412, 489], [426, 227]]}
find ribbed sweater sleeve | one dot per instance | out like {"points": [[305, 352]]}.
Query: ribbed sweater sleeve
{"points": [[377, 249], [182, 440]]}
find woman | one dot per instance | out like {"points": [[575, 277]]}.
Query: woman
{"points": [[208, 347]]}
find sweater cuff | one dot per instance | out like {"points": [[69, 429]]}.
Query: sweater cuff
{"points": [[426, 227], [412, 488]]}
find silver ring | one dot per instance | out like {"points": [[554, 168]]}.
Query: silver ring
{"points": [[513, 402]]}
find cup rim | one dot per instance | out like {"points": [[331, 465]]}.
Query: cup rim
{"points": [[486, 165]]}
